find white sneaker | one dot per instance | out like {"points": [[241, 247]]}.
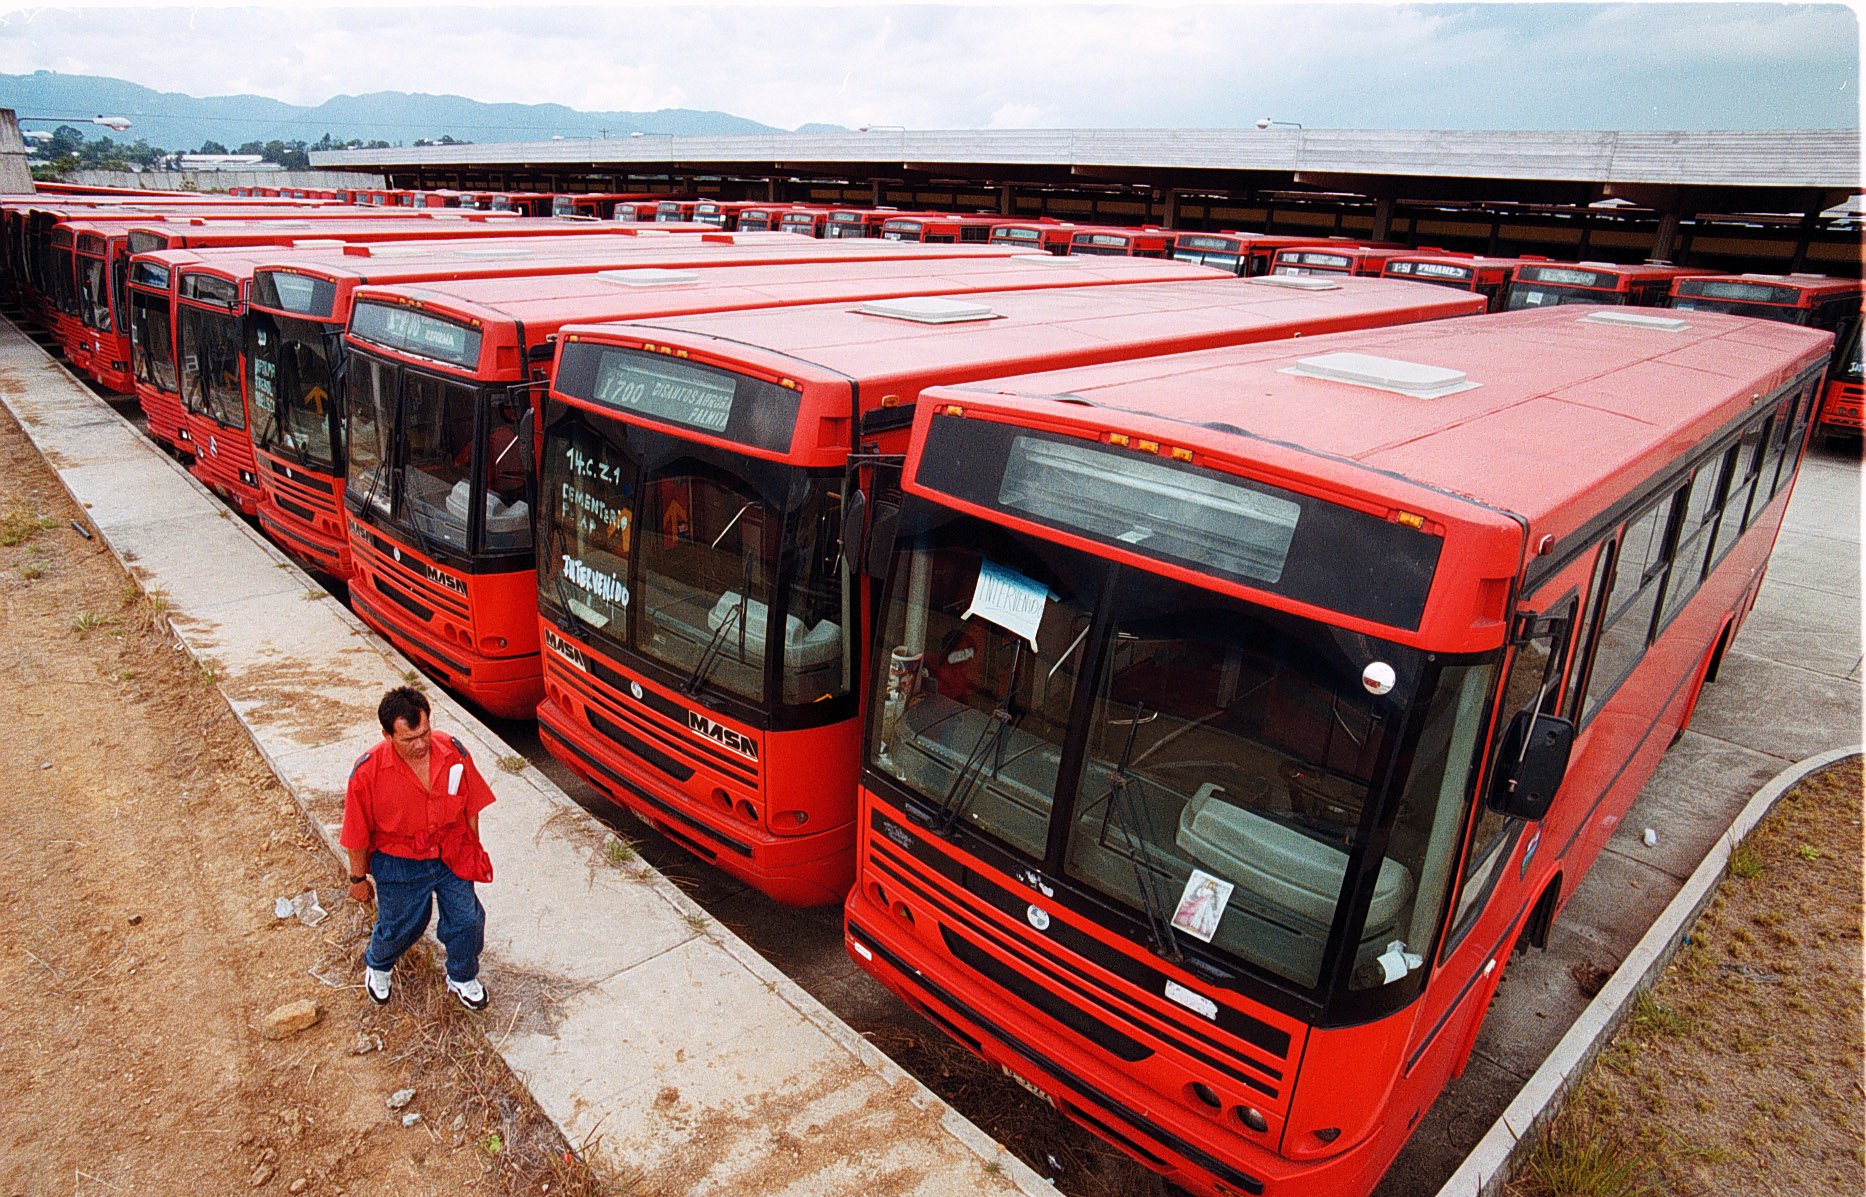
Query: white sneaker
{"points": [[376, 984], [472, 994]]}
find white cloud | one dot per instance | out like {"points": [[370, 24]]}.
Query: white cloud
{"points": [[1010, 65]]}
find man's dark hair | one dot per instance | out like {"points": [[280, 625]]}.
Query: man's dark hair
{"points": [[404, 703]]}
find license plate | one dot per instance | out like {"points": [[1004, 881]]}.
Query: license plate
{"points": [[1035, 1092]]}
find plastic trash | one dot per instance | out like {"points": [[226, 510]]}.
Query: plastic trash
{"points": [[1651, 838]]}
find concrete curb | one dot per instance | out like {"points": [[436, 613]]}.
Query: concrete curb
{"points": [[1491, 1163], [979, 1164]]}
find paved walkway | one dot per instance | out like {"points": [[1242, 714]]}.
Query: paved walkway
{"points": [[641, 1026]]}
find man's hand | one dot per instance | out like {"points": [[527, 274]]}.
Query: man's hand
{"points": [[364, 891]]}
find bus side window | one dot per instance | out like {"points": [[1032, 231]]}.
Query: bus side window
{"points": [[1580, 668]]}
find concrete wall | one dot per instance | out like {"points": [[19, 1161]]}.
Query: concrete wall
{"points": [[15, 175], [220, 180]]}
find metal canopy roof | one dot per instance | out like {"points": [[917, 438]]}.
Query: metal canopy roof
{"points": [[1786, 170]]}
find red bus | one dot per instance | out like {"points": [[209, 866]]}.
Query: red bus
{"points": [[1810, 300], [301, 304], [805, 221], [724, 442], [1115, 240], [149, 296], [102, 347], [938, 228], [1246, 255], [1546, 284], [640, 211], [598, 205], [762, 218], [723, 214], [1489, 277], [1359, 260], [443, 557], [859, 222], [1223, 772], [674, 211], [1047, 236]]}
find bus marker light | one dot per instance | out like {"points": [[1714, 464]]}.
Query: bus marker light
{"points": [[1118, 438], [1378, 678], [1182, 455], [1147, 446], [953, 409], [1415, 522]]}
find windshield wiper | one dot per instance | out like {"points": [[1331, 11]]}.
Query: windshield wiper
{"points": [[1129, 812], [715, 648], [990, 744]]}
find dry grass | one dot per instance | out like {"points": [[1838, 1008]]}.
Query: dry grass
{"points": [[444, 1049], [1743, 1060], [19, 525]]}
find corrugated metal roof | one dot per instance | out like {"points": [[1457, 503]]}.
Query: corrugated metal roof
{"points": [[1823, 158]]}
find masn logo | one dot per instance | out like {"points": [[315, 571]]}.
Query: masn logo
{"points": [[725, 737]]}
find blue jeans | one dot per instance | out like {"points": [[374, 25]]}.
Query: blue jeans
{"points": [[406, 891]]}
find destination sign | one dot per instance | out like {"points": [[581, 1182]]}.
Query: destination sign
{"points": [[1438, 270], [1565, 275], [666, 388], [1743, 292], [1221, 244], [416, 332]]}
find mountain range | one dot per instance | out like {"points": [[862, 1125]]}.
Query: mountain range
{"points": [[174, 121]]}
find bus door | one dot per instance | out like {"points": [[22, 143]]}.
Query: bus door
{"points": [[1497, 874]]}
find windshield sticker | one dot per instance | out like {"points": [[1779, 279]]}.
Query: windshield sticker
{"points": [[263, 390], [1202, 905], [1008, 599]]}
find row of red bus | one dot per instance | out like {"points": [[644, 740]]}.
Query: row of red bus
{"points": [[1195, 688]]}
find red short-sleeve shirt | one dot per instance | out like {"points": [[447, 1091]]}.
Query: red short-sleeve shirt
{"points": [[387, 809]]}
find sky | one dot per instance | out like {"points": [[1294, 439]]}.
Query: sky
{"points": [[1028, 65]]}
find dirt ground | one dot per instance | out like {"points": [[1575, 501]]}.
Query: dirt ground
{"points": [[1740, 1071], [143, 842]]}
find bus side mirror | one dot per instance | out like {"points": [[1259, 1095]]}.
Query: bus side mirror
{"points": [[878, 545], [854, 521], [1529, 773]]}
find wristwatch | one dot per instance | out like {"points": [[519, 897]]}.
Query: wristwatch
{"points": [[359, 879]]}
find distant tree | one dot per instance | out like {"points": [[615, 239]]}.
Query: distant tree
{"points": [[65, 142], [327, 142], [377, 145], [211, 146], [450, 139]]}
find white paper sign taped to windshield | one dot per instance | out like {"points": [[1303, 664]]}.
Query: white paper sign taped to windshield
{"points": [[1008, 599]]}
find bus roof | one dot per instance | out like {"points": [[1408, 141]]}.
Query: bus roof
{"points": [[362, 264], [1033, 325], [548, 303], [1570, 409]]}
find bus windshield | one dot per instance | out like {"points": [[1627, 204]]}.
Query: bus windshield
{"points": [[695, 558], [1232, 772], [152, 341], [94, 294], [426, 452], [1740, 307], [1542, 295], [210, 364], [290, 379]]}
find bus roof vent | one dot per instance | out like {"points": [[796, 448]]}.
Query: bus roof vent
{"points": [[649, 276], [927, 309], [1601, 265], [1295, 282], [1384, 374], [1052, 259], [288, 224], [1671, 324], [494, 251], [388, 251], [317, 243]]}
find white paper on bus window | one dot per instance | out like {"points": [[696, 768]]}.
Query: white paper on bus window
{"points": [[1008, 599], [1202, 904]]}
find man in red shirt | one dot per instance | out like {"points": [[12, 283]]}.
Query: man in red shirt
{"points": [[411, 810]]}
